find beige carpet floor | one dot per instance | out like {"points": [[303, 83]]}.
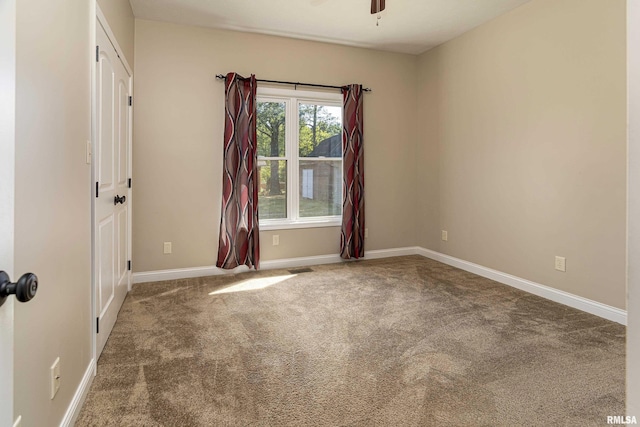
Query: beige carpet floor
{"points": [[395, 342]]}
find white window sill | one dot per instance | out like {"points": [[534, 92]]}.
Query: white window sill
{"points": [[283, 225]]}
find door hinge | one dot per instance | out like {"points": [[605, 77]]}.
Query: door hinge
{"points": [[129, 265], [130, 101], [129, 182], [97, 185], [97, 53], [97, 325]]}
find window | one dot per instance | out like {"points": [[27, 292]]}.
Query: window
{"points": [[299, 158]]}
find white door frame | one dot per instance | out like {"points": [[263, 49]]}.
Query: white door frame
{"points": [[633, 208], [7, 197], [100, 19]]}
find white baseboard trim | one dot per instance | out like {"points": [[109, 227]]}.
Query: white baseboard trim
{"points": [[300, 262], [188, 273], [74, 408], [388, 253], [182, 273], [602, 310]]}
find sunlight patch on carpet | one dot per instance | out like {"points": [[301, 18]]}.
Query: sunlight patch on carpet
{"points": [[253, 284]]}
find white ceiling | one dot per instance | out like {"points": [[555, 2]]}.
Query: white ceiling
{"points": [[409, 26]]}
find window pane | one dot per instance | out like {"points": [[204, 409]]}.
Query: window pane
{"points": [[320, 131], [272, 195], [271, 128], [320, 188]]}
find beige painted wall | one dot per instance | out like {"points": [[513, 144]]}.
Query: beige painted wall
{"points": [[523, 145], [52, 204], [179, 111], [122, 23]]}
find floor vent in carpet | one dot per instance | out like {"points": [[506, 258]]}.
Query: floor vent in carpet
{"points": [[300, 270]]}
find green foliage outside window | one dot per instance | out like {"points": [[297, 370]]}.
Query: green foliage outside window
{"points": [[316, 125]]}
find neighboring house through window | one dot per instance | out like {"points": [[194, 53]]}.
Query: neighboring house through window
{"points": [[299, 158]]}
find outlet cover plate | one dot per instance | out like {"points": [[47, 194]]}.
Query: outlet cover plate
{"points": [[55, 377]]}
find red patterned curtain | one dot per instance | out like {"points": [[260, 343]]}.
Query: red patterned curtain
{"points": [[239, 239], [352, 235]]}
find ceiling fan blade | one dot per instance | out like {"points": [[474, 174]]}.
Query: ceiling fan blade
{"points": [[377, 6]]}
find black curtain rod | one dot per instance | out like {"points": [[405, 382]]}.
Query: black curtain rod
{"points": [[223, 77]]}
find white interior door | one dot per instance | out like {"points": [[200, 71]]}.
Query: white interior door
{"points": [[112, 172], [7, 180]]}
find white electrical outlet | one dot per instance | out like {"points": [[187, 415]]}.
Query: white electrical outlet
{"points": [[561, 263], [445, 236], [167, 247], [276, 239], [55, 377], [366, 233], [88, 152]]}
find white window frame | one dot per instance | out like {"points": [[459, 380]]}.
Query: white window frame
{"points": [[292, 99]]}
